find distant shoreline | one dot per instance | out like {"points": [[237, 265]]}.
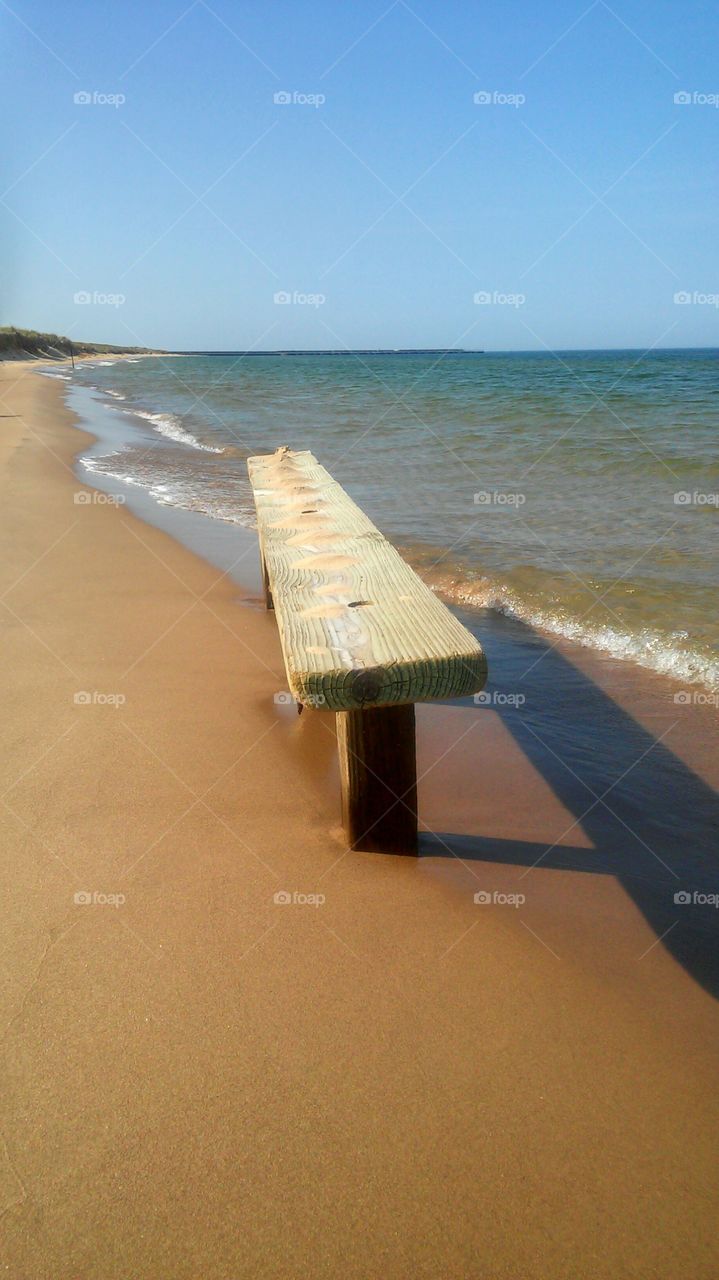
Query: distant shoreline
{"points": [[431, 351], [334, 351]]}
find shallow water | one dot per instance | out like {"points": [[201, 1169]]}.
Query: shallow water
{"points": [[578, 491]]}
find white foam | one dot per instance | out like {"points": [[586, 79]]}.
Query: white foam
{"points": [[177, 495], [168, 425], [648, 648], [91, 463]]}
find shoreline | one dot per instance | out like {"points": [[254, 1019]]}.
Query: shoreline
{"points": [[394, 1080], [647, 691], [627, 628]]}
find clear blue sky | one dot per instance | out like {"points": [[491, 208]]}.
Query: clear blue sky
{"points": [[397, 199]]}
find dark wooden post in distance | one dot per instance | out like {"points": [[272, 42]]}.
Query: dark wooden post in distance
{"points": [[378, 773]]}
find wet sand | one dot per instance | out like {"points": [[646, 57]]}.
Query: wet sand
{"points": [[394, 1080]]}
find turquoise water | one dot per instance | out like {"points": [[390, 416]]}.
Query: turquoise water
{"points": [[576, 491]]}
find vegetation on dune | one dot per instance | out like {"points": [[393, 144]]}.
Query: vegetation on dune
{"points": [[28, 342]]}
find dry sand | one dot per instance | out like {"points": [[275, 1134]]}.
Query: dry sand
{"points": [[201, 1082]]}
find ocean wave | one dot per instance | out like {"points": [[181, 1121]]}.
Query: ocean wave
{"points": [[168, 425], [98, 466], [647, 647], [179, 493], [93, 464]]}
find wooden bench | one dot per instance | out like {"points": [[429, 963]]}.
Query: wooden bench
{"points": [[361, 635]]}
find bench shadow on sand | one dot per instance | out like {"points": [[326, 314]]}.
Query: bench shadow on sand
{"points": [[653, 822]]}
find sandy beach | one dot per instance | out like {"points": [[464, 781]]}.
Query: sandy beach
{"points": [[379, 1077]]}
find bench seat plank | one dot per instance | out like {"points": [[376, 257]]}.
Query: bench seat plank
{"points": [[358, 628]]}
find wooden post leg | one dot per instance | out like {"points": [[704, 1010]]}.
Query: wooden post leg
{"points": [[269, 604], [377, 765]]}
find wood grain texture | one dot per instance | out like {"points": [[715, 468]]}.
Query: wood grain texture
{"points": [[357, 626]]}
